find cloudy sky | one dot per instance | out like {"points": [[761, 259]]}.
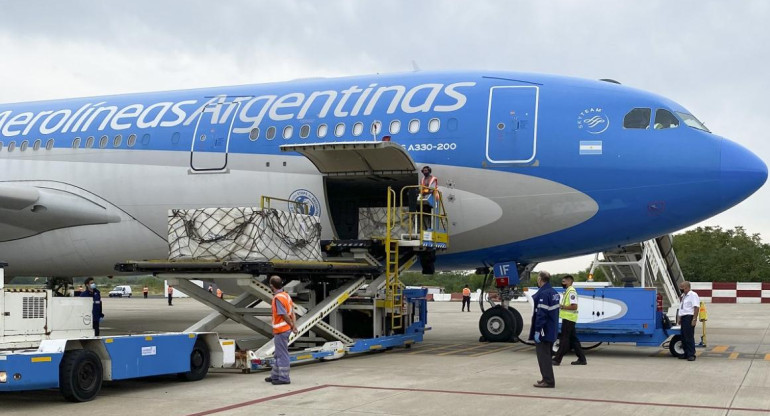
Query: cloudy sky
{"points": [[710, 56]]}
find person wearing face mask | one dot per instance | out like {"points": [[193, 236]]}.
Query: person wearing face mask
{"points": [[568, 313], [544, 326], [96, 311]]}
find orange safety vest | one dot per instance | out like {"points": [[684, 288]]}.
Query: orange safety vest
{"points": [[279, 324], [429, 184], [466, 292]]}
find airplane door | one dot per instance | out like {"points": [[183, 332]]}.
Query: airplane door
{"points": [[211, 139], [512, 124]]}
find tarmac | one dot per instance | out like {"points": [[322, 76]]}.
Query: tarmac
{"points": [[451, 373]]}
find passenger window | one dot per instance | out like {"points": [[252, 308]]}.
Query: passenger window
{"points": [[175, 138], [11, 146], [90, 142], [49, 144], [665, 120], [116, 142], [76, 143], [24, 145], [103, 142], [322, 130], [131, 140], [414, 126], [358, 128], [287, 132], [376, 128], [304, 131], [339, 129], [395, 126], [270, 133], [146, 139], [37, 144], [254, 134], [433, 125], [638, 118], [1, 145]]}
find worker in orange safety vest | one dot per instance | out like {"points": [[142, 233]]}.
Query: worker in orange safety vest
{"points": [[284, 324], [466, 298]]}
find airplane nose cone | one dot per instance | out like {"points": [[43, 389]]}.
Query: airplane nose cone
{"points": [[742, 173]]}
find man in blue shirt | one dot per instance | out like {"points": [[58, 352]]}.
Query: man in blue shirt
{"points": [[544, 327], [96, 311]]}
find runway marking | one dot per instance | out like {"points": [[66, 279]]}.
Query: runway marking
{"points": [[474, 393], [255, 401], [510, 347], [435, 348], [464, 349], [720, 348], [539, 397]]}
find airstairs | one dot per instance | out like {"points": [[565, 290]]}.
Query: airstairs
{"points": [[651, 263]]}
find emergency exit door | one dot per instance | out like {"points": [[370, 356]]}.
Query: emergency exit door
{"points": [[211, 138], [512, 124]]}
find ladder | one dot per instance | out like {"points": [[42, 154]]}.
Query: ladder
{"points": [[394, 289]]}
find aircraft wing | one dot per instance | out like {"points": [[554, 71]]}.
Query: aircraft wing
{"points": [[26, 210]]}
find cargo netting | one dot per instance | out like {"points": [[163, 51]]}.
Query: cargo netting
{"points": [[372, 223], [243, 234]]}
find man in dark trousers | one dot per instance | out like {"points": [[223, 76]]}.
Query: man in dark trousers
{"points": [[569, 316], [284, 324], [466, 298], [544, 327], [96, 311], [687, 317], [170, 295]]}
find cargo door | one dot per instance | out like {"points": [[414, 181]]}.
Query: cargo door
{"points": [[512, 124]]}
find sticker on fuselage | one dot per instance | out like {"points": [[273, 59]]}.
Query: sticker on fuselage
{"points": [[593, 121], [303, 196], [590, 147]]}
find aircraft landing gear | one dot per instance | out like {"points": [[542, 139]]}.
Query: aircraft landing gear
{"points": [[501, 322]]}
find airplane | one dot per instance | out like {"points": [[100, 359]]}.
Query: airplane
{"points": [[532, 167]]}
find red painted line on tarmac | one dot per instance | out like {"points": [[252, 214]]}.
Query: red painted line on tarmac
{"points": [[572, 399], [255, 401]]}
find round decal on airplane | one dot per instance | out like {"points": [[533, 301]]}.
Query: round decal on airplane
{"points": [[593, 120], [306, 197]]}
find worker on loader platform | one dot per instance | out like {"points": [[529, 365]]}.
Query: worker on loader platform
{"points": [[427, 197]]}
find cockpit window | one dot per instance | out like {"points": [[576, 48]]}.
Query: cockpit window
{"points": [[638, 118], [693, 122], [665, 120]]}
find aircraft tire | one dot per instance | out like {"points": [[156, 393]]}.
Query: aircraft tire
{"points": [[497, 324], [80, 375], [519, 323]]}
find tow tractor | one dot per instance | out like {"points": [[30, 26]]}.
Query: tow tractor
{"points": [[641, 310]]}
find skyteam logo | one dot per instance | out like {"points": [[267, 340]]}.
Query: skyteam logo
{"points": [[305, 197], [593, 120]]}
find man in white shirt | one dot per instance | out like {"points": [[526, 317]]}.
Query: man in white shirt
{"points": [[687, 318]]}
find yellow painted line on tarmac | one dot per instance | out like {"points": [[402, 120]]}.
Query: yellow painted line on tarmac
{"points": [[733, 356], [436, 348], [493, 351], [464, 349], [720, 348], [767, 357]]}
